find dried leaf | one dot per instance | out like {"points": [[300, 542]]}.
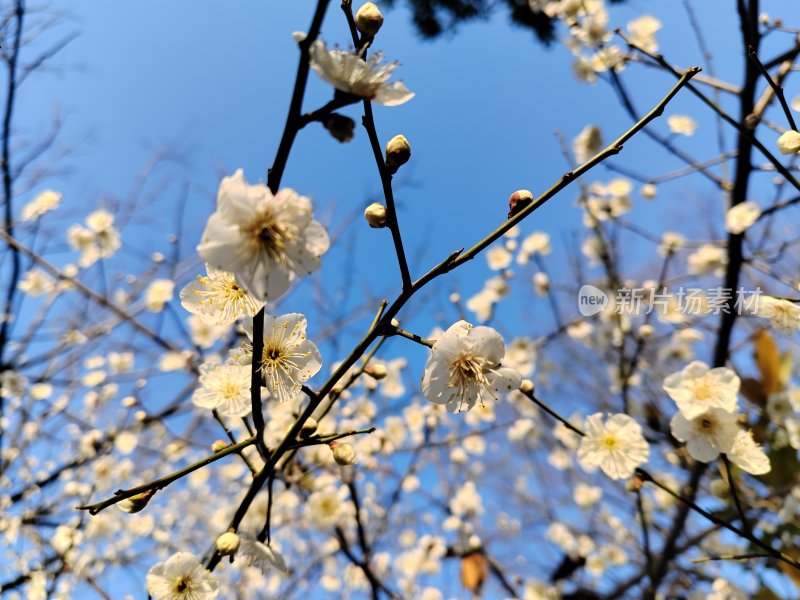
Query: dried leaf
{"points": [[768, 360], [474, 570]]}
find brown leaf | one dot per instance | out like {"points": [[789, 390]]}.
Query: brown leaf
{"points": [[474, 570], [768, 360]]}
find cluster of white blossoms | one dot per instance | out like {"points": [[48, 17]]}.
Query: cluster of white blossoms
{"points": [[707, 418], [465, 368], [783, 315]]}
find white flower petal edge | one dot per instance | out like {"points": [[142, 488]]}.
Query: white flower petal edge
{"points": [[352, 74], [617, 446], [464, 368], [180, 577], [265, 240]]}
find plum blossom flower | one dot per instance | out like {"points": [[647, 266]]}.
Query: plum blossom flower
{"points": [[748, 455], [42, 204], [740, 217], [258, 554], [218, 299], [707, 434], [782, 314], [350, 73], [288, 360], [265, 240], [157, 294], [225, 388], [696, 389], [682, 124], [181, 577], [465, 367], [98, 240], [617, 446]]}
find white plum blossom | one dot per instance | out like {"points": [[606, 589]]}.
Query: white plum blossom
{"points": [[289, 358], [42, 204], [643, 32], [36, 282], [181, 577], [783, 315], [697, 389], [218, 299], [350, 73], [682, 124], [98, 240], [225, 388], [265, 240], [465, 368], [617, 446], [706, 435], [258, 554], [158, 293], [587, 143], [748, 455], [741, 216]]}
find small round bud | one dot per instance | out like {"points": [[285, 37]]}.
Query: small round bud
{"points": [[309, 428], [648, 191], [789, 142], [369, 19], [377, 371], [634, 484], [340, 127], [228, 543], [375, 214], [129, 402], [518, 201], [455, 297], [344, 454], [646, 331], [395, 323], [219, 446], [135, 503], [398, 151], [526, 386]]}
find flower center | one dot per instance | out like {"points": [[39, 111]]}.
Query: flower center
{"points": [[610, 442], [702, 390], [182, 584]]}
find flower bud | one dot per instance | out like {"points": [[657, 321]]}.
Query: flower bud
{"points": [[634, 484], [526, 386], [135, 503], [518, 201], [309, 428], [369, 19], [219, 446], [648, 191], [344, 454], [340, 127], [398, 151], [377, 371], [789, 142], [375, 214], [228, 543], [646, 331]]}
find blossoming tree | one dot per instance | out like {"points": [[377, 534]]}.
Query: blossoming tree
{"points": [[192, 433]]}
